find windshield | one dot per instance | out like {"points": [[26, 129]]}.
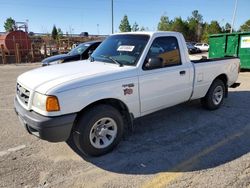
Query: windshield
{"points": [[198, 44], [189, 45], [79, 49], [124, 49]]}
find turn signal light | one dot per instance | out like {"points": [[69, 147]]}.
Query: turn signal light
{"points": [[52, 104]]}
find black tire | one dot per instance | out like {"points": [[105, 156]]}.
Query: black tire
{"points": [[85, 128], [209, 101]]}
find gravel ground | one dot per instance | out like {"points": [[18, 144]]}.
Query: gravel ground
{"points": [[183, 146]]}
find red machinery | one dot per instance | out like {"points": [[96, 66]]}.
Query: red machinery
{"points": [[11, 39]]}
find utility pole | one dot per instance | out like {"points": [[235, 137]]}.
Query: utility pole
{"points": [[26, 26], [233, 20], [98, 32], [112, 10]]}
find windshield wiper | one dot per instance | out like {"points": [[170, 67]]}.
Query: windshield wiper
{"points": [[113, 60]]}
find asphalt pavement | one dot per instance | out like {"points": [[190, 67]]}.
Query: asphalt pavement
{"points": [[182, 146]]}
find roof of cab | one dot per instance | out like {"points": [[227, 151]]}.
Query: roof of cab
{"points": [[151, 33]]}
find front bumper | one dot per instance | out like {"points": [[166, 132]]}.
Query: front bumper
{"points": [[52, 129]]}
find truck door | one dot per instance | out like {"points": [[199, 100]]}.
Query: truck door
{"points": [[166, 84]]}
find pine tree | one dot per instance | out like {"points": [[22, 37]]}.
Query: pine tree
{"points": [[124, 26], [212, 28], [226, 28], [59, 33], [194, 26], [9, 24], [142, 29], [135, 27], [245, 26], [54, 33], [164, 24], [180, 26]]}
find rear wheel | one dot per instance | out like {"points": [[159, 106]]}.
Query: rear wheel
{"points": [[99, 130], [215, 95]]}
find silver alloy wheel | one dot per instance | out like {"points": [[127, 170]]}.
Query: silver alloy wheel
{"points": [[218, 95], [103, 133]]}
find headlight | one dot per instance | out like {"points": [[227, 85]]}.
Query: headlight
{"points": [[46, 103], [39, 101], [55, 62]]}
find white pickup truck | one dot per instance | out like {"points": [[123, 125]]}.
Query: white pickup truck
{"points": [[128, 76]]}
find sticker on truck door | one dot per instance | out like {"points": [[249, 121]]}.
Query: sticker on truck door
{"points": [[245, 42], [128, 88]]}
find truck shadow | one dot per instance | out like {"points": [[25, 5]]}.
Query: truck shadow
{"points": [[183, 138]]}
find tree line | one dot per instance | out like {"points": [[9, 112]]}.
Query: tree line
{"points": [[10, 25], [193, 28]]}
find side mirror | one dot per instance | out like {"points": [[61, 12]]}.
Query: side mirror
{"points": [[90, 52], [154, 63]]}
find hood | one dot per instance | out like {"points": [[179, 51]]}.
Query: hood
{"points": [[46, 78]]}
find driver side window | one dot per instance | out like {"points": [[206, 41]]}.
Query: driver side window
{"points": [[164, 52]]}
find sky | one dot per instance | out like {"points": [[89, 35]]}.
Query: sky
{"points": [[94, 16]]}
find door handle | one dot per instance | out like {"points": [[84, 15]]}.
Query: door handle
{"points": [[182, 72]]}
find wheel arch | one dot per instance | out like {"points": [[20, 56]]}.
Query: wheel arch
{"points": [[223, 77], [117, 104]]}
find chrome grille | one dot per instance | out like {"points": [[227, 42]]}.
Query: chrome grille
{"points": [[23, 94]]}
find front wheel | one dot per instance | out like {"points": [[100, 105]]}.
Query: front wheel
{"points": [[98, 130], [215, 95]]}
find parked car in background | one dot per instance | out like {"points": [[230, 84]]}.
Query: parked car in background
{"points": [[81, 52], [202, 46], [193, 43], [192, 49]]}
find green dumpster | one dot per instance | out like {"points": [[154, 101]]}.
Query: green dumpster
{"points": [[231, 44]]}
